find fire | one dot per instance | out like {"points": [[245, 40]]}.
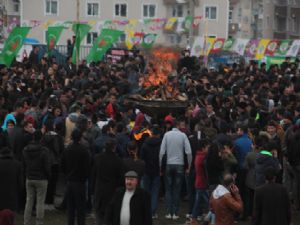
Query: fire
{"points": [[162, 63]]}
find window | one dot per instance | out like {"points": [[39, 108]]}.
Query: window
{"points": [[51, 7], [211, 12], [16, 7], [149, 10], [230, 15], [175, 39], [92, 9], [91, 37], [177, 10], [121, 10]]}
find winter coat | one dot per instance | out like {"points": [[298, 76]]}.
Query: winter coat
{"points": [[11, 181], [294, 149], [54, 143], [150, 155], [107, 176], [140, 208], [225, 205], [250, 167], [37, 162], [271, 205], [262, 163]]}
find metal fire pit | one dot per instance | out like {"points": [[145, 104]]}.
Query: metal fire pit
{"points": [[161, 107]]}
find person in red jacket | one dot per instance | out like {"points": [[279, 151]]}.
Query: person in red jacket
{"points": [[201, 183]]}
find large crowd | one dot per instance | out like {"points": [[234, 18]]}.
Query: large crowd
{"points": [[239, 134]]}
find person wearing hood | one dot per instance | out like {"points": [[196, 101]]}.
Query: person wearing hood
{"points": [[37, 163], [11, 181], [226, 201], [265, 158], [151, 180], [70, 123]]}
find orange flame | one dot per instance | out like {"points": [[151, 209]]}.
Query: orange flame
{"points": [[162, 63]]}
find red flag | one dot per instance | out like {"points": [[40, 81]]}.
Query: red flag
{"points": [[272, 47]]}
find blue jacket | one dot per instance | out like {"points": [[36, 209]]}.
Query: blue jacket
{"points": [[242, 145]]}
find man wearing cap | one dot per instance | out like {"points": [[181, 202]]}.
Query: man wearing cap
{"points": [[130, 205]]}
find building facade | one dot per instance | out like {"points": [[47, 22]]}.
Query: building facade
{"points": [[9, 17], [213, 12]]}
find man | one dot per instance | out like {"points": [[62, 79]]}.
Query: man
{"points": [[226, 201], [107, 177], [129, 206], [75, 164], [174, 144], [37, 162], [271, 202]]}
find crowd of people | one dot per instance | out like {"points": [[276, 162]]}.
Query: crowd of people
{"points": [[233, 153]]}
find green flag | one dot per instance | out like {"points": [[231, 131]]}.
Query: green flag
{"points": [[228, 44], [283, 48], [13, 44], [149, 40], [105, 40], [188, 22], [80, 30], [53, 36]]}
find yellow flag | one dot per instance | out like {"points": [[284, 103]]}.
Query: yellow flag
{"points": [[209, 43], [129, 36], [170, 23], [262, 46]]}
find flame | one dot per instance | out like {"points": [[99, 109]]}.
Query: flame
{"points": [[162, 63]]}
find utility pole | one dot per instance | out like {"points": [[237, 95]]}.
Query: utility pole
{"points": [[77, 21]]}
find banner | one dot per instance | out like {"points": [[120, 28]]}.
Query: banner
{"points": [[251, 48], [170, 23], [228, 44], [240, 46], [80, 30], [196, 22], [283, 48], [13, 44], [188, 22], [198, 46], [273, 60], [53, 36], [272, 47], [149, 40], [218, 45], [105, 40], [137, 38], [209, 42], [129, 37], [262, 48], [294, 49]]}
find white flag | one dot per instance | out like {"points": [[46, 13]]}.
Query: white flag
{"points": [[294, 49], [240, 46]]}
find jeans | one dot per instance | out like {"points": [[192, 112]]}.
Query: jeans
{"points": [[173, 182], [151, 185], [201, 194], [76, 192], [38, 189], [190, 188]]}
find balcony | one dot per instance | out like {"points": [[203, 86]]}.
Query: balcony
{"points": [[281, 3]]}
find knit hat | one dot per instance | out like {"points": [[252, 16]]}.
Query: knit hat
{"points": [[131, 174]]}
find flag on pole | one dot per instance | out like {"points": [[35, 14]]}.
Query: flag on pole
{"points": [[271, 48], [209, 42], [137, 38], [13, 44], [129, 37], [218, 45], [198, 46], [240, 46], [188, 22], [283, 48], [251, 48], [263, 44], [80, 30], [53, 36], [149, 40], [294, 49], [196, 22], [170, 23], [106, 39], [228, 44]]}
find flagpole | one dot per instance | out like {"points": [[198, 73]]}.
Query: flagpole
{"points": [[77, 19]]}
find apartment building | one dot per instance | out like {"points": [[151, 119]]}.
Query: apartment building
{"points": [[9, 16], [278, 19], [213, 12]]}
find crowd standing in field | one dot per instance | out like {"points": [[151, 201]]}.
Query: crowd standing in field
{"points": [[237, 143]]}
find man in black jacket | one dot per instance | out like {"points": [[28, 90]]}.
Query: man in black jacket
{"points": [[130, 206], [75, 164], [37, 162], [271, 202]]}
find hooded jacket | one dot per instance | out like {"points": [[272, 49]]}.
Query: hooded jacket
{"points": [[225, 205], [37, 162], [263, 161]]}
